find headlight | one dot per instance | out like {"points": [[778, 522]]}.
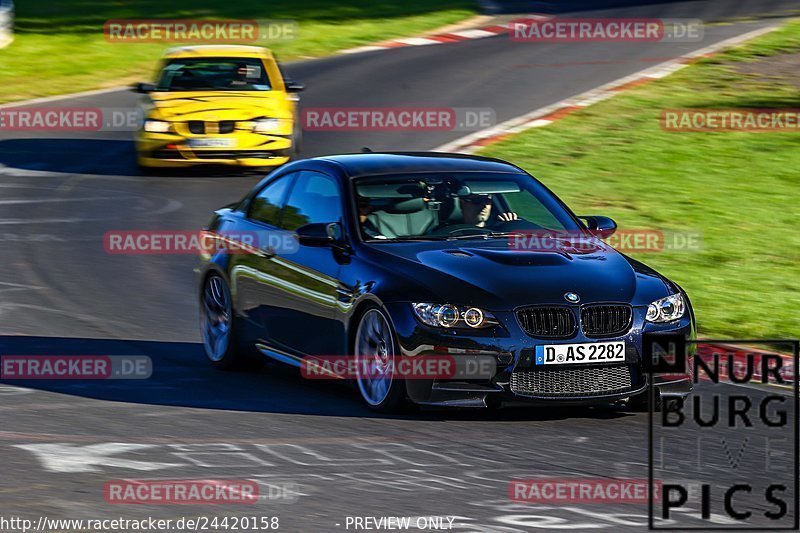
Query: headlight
{"points": [[156, 126], [266, 125], [450, 316], [666, 309]]}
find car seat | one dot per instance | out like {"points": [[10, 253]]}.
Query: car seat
{"points": [[407, 217]]}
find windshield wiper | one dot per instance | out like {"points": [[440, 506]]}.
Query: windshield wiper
{"points": [[468, 236], [408, 238], [486, 235]]}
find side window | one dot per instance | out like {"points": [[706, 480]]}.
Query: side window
{"points": [[315, 198], [266, 206]]}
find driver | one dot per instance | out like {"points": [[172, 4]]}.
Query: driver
{"points": [[364, 210], [477, 211], [242, 73]]}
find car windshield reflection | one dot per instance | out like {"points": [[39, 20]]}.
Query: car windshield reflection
{"points": [[447, 207]]}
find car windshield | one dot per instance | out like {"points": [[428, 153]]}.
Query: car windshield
{"points": [[213, 74], [460, 205]]}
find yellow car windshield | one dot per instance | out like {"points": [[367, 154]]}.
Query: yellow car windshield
{"points": [[214, 74]]}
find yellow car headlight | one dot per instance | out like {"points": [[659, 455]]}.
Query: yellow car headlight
{"points": [[267, 125], [156, 126]]}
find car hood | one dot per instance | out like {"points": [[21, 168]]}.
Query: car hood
{"points": [[212, 107], [496, 277]]}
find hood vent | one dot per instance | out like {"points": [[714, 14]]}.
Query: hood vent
{"points": [[459, 253]]}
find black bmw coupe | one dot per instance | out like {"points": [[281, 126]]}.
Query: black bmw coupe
{"points": [[394, 259]]}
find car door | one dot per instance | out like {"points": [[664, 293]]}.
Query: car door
{"points": [[305, 321], [254, 281]]}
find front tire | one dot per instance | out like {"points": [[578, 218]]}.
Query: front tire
{"points": [[376, 355], [297, 140], [217, 324]]}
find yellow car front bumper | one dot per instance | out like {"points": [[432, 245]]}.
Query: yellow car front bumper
{"points": [[245, 150]]}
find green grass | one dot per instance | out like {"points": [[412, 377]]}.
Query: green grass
{"points": [[59, 46], [740, 190]]}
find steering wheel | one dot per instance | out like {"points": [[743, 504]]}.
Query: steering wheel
{"points": [[512, 225], [459, 229]]}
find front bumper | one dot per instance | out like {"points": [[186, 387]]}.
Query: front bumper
{"points": [[244, 149], [515, 379]]}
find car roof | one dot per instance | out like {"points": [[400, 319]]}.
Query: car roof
{"points": [[218, 50], [370, 164]]}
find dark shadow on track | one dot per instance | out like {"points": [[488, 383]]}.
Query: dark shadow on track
{"points": [[73, 156], [96, 157], [183, 377]]}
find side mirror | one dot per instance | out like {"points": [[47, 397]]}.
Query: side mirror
{"points": [[601, 227], [319, 234], [293, 86], [143, 88]]}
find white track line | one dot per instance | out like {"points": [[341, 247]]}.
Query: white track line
{"points": [[475, 33], [417, 41], [55, 98], [472, 34], [359, 49], [472, 142]]}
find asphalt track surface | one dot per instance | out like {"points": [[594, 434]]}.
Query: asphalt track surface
{"points": [[61, 293]]}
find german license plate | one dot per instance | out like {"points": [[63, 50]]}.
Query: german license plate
{"points": [[210, 142], [583, 353]]}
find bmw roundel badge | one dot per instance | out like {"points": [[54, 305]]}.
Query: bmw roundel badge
{"points": [[572, 297]]}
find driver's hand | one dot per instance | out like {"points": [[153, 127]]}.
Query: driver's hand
{"points": [[507, 217]]}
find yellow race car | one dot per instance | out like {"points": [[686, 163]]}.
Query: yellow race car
{"points": [[218, 104]]}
